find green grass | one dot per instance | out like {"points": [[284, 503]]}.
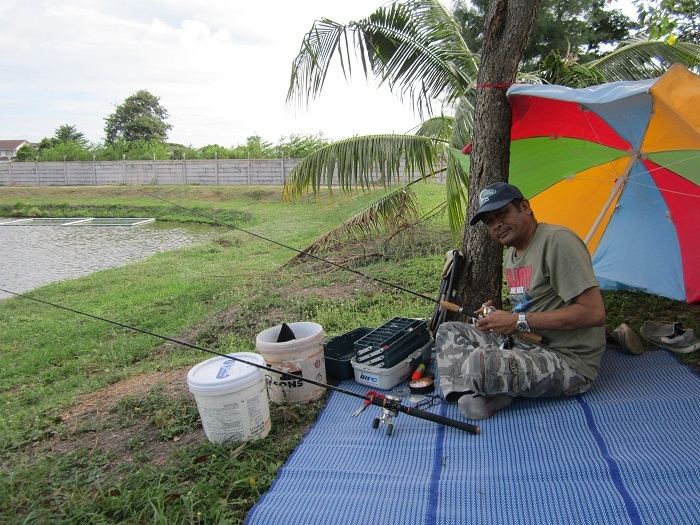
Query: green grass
{"points": [[96, 423], [53, 360]]}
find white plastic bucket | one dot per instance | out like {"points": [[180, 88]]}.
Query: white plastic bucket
{"points": [[302, 356], [231, 397]]}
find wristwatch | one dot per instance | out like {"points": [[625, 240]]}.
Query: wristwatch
{"points": [[521, 325]]}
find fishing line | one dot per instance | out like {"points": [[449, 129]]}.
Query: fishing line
{"points": [[432, 213], [426, 217], [433, 174], [166, 338], [307, 254], [374, 400]]}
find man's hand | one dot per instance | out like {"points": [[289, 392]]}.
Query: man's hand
{"points": [[485, 309], [497, 321]]}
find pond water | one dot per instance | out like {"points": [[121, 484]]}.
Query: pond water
{"points": [[31, 256]]}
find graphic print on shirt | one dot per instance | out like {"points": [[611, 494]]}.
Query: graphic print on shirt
{"points": [[518, 280]]}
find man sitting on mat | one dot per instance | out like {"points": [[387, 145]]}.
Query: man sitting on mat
{"points": [[554, 293]]}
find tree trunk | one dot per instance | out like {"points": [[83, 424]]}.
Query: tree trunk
{"points": [[507, 26]]}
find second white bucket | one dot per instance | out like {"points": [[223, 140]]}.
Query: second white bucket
{"points": [[302, 356]]}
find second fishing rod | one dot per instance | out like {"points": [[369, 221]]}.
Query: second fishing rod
{"points": [[380, 401], [432, 300], [440, 301]]}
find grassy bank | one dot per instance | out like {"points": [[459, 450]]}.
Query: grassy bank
{"points": [[97, 425], [96, 421], [224, 204]]}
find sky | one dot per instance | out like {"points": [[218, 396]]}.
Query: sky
{"points": [[220, 67]]}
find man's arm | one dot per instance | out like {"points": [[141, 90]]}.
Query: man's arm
{"points": [[585, 311]]}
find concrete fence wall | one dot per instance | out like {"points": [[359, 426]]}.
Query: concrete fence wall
{"points": [[204, 172], [222, 172]]}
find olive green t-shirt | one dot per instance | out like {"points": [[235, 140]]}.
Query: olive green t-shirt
{"points": [[554, 269]]}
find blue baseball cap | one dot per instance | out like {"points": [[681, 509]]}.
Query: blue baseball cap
{"points": [[493, 197]]}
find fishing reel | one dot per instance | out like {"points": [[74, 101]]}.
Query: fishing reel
{"points": [[389, 412], [485, 310]]}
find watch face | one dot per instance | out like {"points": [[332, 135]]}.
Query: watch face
{"points": [[522, 325]]}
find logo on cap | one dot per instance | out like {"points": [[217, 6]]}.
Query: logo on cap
{"points": [[484, 196]]}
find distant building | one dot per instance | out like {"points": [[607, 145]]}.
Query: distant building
{"points": [[8, 148]]}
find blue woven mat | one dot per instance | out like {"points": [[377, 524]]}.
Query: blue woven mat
{"points": [[628, 451]]}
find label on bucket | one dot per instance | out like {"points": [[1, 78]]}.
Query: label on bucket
{"points": [[241, 419], [297, 360], [286, 387], [224, 369]]}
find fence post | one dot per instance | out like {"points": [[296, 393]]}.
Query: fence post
{"points": [[36, 171], [124, 168], [249, 170], [9, 170], [184, 168], [216, 167], [153, 170], [65, 171], [284, 178], [94, 171]]}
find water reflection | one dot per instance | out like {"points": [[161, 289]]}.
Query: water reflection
{"points": [[31, 256]]}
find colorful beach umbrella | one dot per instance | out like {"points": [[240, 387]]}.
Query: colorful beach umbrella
{"points": [[619, 164]]}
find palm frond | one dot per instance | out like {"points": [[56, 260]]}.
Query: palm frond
{"points": [[528, 77], [456, 185], [391, 211], [413, 45], [457, 180], [421, 52], [437, 127], [641, 58], [463, 124], [363, 162], [310, 66], [566, 71]]}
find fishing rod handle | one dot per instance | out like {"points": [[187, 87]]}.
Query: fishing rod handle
{"points": [[383, 402], [451, 307], [530, 337], [436, 418]]}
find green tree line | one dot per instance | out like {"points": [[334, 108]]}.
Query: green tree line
{"points": [[138, 130], [51, 150]]}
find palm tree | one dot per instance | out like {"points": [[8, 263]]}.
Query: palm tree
{"points": [[638, 58], [417, 48]]}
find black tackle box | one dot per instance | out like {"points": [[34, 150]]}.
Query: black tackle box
{"points": [[339, 350]]}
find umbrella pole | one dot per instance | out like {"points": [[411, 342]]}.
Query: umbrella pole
{"points": [[616, 189]]}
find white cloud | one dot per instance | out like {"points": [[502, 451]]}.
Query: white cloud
{"points": [[221, 68]]}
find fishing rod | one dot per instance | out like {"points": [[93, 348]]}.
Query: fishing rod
{"points": [[377, 400], [530, 337], [439, 302]]}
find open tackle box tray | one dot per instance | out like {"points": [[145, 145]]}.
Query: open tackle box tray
{"points": [[392, 342], [396, 353]]}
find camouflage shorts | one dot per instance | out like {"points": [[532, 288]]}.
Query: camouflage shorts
{"points": [[469, 359]]}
